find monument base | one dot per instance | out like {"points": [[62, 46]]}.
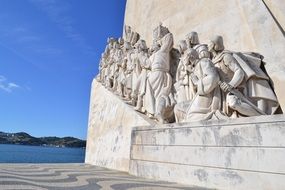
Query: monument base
{"points": [[245, 153], [109, 129]]}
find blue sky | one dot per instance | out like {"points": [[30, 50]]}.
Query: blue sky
{"points": [[49, 54]]}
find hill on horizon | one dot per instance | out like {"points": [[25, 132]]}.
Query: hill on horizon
{"points": [[22, 138]]}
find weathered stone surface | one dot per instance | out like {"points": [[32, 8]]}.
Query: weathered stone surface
{"points": [[109, 129], [277, 8], [244, 153], [243, 132], [217, 178], [245, 26]]}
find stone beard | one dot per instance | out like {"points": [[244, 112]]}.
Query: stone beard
{"points": [[208, 83]]}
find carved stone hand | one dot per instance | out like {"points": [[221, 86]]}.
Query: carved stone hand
{"points": [[194, 79], [225, 87]]}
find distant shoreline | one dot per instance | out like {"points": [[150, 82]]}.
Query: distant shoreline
{"points": [[23, 138], [40, 146]]}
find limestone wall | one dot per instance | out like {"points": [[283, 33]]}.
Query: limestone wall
{"points": [[238, 154], [246, 25], [245, 153], [109, 129]]}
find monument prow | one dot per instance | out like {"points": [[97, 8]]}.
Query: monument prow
{"points": [[222, 105], [109, 129]]}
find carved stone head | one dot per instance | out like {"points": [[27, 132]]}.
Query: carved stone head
{"points": [[128, 31], [112, 43], [110, 40], [203, 51], [216, 44], [142, 45], [127, 46], [159, 32], [103, 55], [116, 45], [137, 47], [192, 39], [121, 41]]}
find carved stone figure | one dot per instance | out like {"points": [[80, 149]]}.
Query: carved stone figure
{"points": [[131, 36], [206, 101], [136, 71], [111, 65], [159, 81], [109, 46], [209, 82], [192, 39], [122, 64], [183, 85], [246, 88], [121, 42], [117, 58], [142, 80], [140, 84], [129, 70], [103, 68], [203, 51]]}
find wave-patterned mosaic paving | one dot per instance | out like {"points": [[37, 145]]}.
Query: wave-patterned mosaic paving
{"points": [[74, 177]]}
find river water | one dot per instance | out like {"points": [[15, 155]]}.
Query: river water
{"points": [[39, 154]]}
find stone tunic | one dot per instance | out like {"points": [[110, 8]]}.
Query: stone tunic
{"points": [[159, 81], [243, 72], [207, 99]]}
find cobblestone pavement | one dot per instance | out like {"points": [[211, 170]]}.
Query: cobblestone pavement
{"points": [[74, 176]]}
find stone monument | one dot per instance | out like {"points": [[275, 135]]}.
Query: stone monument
{"points": [[212, 102]]}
